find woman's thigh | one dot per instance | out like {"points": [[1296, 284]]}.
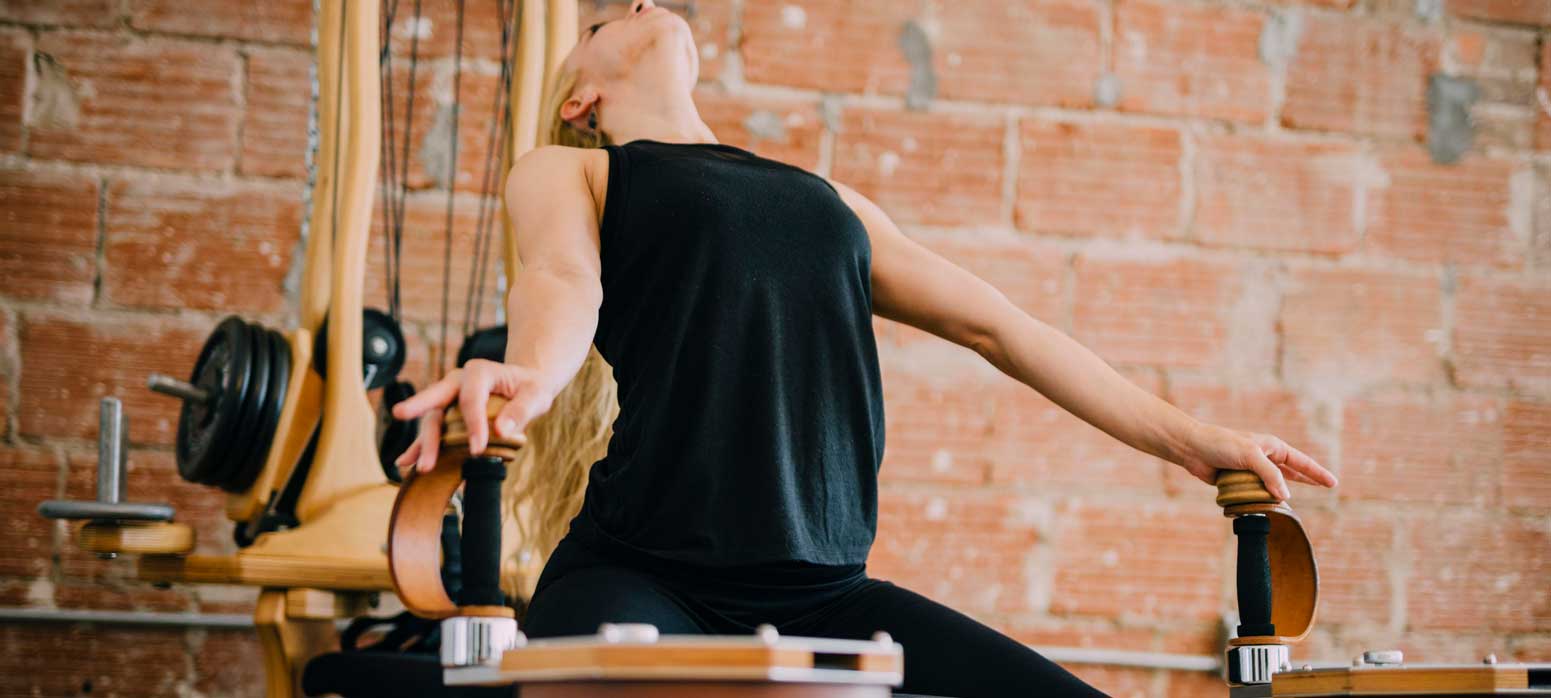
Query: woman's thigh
{"points": [[587, 592], [946, 652]]}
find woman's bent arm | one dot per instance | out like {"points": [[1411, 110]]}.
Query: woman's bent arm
{"points": [[552, 308], [914, 285]]}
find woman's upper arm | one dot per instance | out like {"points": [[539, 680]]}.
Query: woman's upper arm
{"points": [[916, 286], [554, 214]]}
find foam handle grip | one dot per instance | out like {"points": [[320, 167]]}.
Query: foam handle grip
{"points": [[481, 543], [1254, 576]]}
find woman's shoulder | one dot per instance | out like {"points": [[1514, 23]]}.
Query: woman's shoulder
{"points": [[547, 167], [555, 160]]}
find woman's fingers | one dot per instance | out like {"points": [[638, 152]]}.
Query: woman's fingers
{"points": [[1265, 466], [472, 399], [438, 394], [1301, 463], [513, 420], [429, 441], [409, 454]]}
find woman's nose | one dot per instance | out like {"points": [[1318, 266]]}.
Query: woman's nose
{"points": [[642, 5]]}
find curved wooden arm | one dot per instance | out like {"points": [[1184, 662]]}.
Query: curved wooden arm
{"points": [[1294, 574], [415, 527]]}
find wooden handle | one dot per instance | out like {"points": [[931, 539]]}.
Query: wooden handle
{"points": [[1294, 573], [415, 528]]}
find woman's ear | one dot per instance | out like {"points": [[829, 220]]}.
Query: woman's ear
{"points": [[576, 108]]}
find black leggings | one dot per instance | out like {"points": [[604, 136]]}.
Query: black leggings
{"points": [[946, 652]]}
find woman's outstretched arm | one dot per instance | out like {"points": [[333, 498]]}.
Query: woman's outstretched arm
{"points": [[552, 309], [918, 287]]}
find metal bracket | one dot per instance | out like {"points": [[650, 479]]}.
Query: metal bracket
{"points": [[112, 466]]}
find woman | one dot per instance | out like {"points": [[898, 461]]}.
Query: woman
{"points": [[732, 295]]}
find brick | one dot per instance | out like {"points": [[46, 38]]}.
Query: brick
{"points": [[1526, 451], [69, 13], [778, 129], [1510, 11], [1156, 313], [430, 130], [277, 21], [978, 564], [1301, 422], [1027, 52], [1543, 100], [86, 659], [68, 363], [438, 31], [48, 242], [937, 418], [1413, 449], [1501, 334], [1344, 328], [1333, 4], [7, 370], [183, 243], [1167, 64], [1360, 76], [1154, 560], [32, 475], [1039, 445], [1478, 571], [1456, 213], [229, 663], [15, 65], [274, 126], [1099, 179], [1118, 682], [929, 169], [710, 26], [1502, 63], [1059, 631], [1274, 194], [1193, 684], [420, 268], [150, 103]]}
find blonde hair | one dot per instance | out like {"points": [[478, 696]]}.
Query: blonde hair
{"points": [[544, 487]]}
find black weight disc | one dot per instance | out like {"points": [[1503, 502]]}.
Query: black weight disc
{"points": [[394, 436], [234, 477], [269, 412], [205, 428], [231, 468], [382, 348]]}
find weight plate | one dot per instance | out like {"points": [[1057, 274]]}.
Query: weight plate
{"points": [[244, 438], [382, 348], [269, 411], [205, 428]]}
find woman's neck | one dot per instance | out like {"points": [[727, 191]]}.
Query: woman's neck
{"points": [[660, 117]]}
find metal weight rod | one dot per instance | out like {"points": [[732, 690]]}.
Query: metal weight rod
{"points": [[167, 385]]}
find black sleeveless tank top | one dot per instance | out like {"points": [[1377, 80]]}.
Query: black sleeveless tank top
{"points": [[737, 315]]}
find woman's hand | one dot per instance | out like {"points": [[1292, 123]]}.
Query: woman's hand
{"points": [[1217, 448], [472, 387]]}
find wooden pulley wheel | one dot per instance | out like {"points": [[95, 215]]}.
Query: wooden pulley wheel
{"points": [[414, 529]]}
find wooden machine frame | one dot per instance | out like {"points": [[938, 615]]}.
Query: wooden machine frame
{"points": [[325, 568]]}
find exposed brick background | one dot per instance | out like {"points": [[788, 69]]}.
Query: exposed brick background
{"points": [[1233, 202]]}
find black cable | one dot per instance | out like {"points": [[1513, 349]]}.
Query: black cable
{"points": [[452, 178], [501, 119], [403, 160]]}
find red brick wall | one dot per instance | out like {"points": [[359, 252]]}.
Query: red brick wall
{"points": [[1231, 201]]}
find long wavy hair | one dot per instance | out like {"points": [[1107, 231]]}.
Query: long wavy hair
{"points": [[544, 487]]}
